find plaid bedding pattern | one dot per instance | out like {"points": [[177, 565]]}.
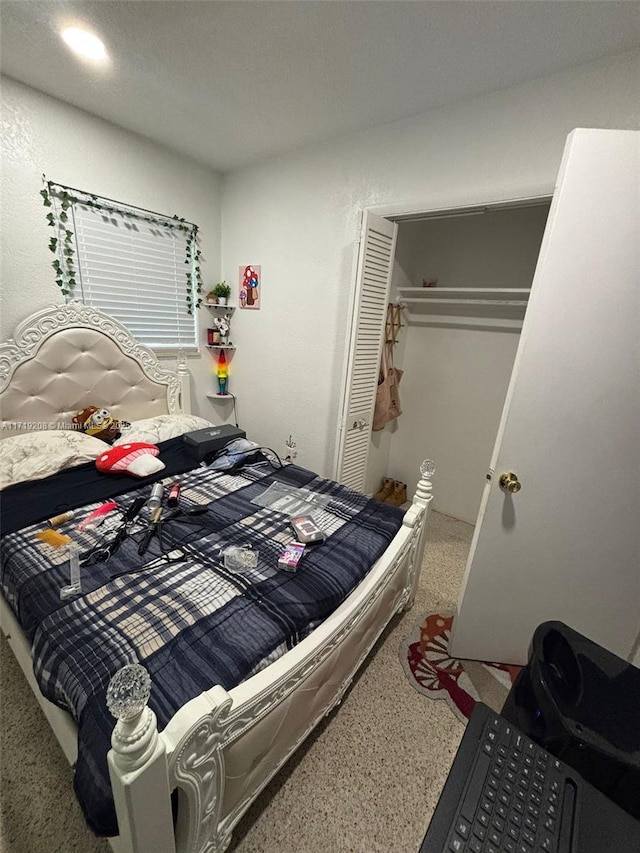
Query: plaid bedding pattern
{"points": [[176, 609]]}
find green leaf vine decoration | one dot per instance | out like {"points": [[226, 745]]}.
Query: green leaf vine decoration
{"points": [[63, 244], [194, 278], [61, 200]]}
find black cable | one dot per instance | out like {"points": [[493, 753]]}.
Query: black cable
{"points": [[235, 414], [280, 462]]}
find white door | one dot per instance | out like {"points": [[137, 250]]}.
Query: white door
{"points": [[567, 546], [377, 244]]}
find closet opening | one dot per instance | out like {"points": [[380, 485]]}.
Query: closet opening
{"points": [[463, 278]]}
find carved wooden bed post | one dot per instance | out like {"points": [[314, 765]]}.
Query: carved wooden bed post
{"points": [[185, 384], [422, 498], [145, 767], [138, 766]]}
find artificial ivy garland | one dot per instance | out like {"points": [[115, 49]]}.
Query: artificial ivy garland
{"points": [[193, 260], [62, 245]]}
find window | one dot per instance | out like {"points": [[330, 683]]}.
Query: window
{"points": [[140, 267]]}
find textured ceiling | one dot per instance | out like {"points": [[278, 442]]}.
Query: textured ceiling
{"points": [[231, 82]]}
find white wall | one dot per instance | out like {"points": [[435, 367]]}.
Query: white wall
{"points": [[496, 249], [43, 135], [296, 215]]}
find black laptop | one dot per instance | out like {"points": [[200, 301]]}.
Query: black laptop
{"points": [[505, 794]]}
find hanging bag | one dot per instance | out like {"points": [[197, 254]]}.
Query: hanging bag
{"points": [[387, 406]]}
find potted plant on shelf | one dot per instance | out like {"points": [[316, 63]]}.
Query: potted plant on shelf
{"points": [[220, 293]]}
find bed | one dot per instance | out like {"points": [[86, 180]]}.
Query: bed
{"points": [[226, 708]]}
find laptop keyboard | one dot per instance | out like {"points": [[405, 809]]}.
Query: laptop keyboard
{"points": [[513, 800]]}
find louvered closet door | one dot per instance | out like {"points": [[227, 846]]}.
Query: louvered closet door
{"points": [[371, 294]]}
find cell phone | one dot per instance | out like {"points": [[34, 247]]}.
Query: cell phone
{"points": [[307, 530]]}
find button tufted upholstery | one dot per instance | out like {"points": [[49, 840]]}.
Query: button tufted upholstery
{"points": [[52, 376]]}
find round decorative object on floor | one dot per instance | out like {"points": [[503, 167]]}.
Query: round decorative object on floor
{"points": [[430, 669]]}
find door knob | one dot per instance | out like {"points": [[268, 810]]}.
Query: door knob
{"points": [[510, 483], [361, 424]]}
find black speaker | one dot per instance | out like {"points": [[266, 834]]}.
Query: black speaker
{"points": [[582, 704]]}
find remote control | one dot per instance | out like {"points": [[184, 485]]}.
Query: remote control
{"points": [[307, 530]]}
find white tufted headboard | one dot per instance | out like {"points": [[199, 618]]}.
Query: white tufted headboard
{"points": [[67, 357]]}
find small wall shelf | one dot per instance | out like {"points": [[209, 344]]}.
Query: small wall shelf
{"points": [[221, 331]]}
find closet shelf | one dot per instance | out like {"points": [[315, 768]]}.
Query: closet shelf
{"points": [[425, 300], [428, 294], [449, 320], [517, 302]]}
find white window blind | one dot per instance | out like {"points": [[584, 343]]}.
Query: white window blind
{"points": [[136, 271]]}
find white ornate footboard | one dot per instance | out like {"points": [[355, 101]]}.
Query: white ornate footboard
{"points": [[222, 748]]}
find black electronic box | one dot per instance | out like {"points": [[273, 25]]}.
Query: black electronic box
{"points": [[204, 443]]}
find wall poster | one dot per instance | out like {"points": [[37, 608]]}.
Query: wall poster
{"points": [[250, 286]]}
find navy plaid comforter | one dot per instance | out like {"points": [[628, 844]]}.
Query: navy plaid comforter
{"points": [[190, 622]]}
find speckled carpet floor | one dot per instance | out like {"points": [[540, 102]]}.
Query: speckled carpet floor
{"points": [[366, 781]]}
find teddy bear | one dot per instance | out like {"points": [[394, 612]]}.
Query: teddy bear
{"points": [[99, 423]]}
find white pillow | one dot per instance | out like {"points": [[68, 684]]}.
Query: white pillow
{"points": [[39, 454], [161, 428]]}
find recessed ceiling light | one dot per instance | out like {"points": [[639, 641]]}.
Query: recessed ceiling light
{"points": [[84, 43]]}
